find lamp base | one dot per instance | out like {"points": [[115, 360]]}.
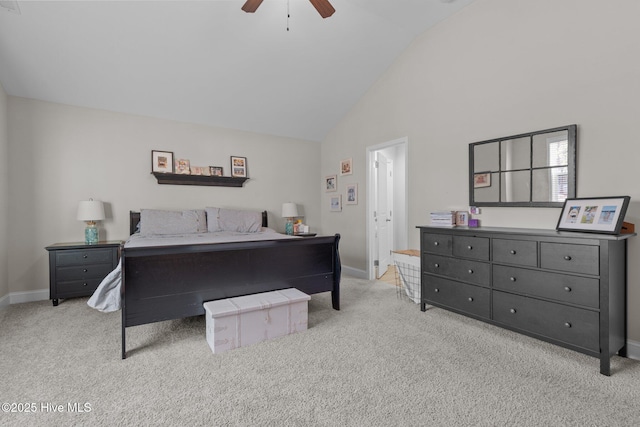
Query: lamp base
{"points": [[91, 234], [288, 228]]}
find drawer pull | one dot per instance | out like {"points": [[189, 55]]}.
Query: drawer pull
{"points": [[512, 252], [436, 243], [470, 299], [567, 258], [436, 265], [436, 290], [470, 271], [567, 324], [85, 270], [513, 279], [568, 289], [512, 311], [84, 284], [85, 256], [469, 247]]}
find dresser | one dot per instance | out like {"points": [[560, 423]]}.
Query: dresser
{"points": [[76, 269], [567, 288]]}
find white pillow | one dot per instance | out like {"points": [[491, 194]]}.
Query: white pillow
{"points": [[233, 220], [155, 221]]}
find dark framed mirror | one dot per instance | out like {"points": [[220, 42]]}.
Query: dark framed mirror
{"points": [[535, 169]]}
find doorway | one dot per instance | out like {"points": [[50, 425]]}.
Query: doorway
{"points": [[386, 204]]}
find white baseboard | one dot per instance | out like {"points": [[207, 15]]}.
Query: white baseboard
{"points": [[633, 349], [355, 272], [28, 296], [5, 301]]}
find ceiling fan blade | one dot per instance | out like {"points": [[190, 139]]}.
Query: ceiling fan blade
{"points": [[323, 7], [251, 5]]}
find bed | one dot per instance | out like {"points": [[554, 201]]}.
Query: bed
{"points": [[172, 281]]}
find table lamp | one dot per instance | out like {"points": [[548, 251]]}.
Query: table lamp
{"points": [[91, 211], [289, 211]]}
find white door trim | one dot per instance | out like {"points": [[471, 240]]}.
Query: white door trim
{"points": [[370, 224]]}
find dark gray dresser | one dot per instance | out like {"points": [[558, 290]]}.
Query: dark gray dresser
{"points": [[76, 269], [566, 288]]}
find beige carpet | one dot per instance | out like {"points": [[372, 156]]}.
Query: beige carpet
{"points": [[377, 362]]}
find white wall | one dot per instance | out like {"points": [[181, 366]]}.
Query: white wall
{"points": [[61, 155], [4, 200], [498, 68]]}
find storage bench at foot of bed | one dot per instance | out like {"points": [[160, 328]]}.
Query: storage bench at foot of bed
{"points": [[250, 319]]}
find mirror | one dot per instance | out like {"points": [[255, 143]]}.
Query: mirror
{"points": [[536, 169]]}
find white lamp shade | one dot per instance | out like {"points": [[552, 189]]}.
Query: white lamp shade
{"points": [[289, 210], [90, 210]]}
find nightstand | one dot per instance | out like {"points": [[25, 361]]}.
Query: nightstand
{"points": [[76, 269]]}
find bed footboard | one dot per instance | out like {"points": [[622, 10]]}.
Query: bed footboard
{"points": [[173, 282]]}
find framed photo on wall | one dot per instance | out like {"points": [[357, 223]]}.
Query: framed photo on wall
{"points": [[594, 215], [335, 203], [331, 183], [481, 180], [239, 167], [352, 194], [161, 161], [346, 167]]}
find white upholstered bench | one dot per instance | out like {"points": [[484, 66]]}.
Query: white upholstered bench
{"points": [[250, 319]]}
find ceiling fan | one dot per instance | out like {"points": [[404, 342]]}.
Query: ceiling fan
{"points": [[323, 7]]}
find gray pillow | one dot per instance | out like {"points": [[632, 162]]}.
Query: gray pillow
{"points": [[233, 220], [155, 221]]}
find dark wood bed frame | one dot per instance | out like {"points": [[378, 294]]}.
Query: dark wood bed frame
{"points": [[172, 282]]}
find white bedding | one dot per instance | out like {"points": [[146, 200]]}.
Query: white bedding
{"points": [[106, 297]]}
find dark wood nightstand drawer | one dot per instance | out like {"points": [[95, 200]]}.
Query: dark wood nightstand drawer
{"points": [[566, 257], [462, 269], [82, 257], [517, 252], [459, 296], [471, 247], [571, 325], [78, 287], [82, 272], [437, 243], [561, 287]]}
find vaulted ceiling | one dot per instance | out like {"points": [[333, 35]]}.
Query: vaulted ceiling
{"points": [[208, 62]]}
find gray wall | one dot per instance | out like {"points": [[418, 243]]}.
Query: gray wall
{"points": [[4, 200], [61, 155], [498, 68]]}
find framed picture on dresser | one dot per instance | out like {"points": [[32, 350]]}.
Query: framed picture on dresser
{"points": [[594, 215]]}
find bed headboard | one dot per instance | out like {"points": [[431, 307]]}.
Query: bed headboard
{"points": [[134, 220]]}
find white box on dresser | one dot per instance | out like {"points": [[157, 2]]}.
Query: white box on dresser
{"points": [[250, 319]]}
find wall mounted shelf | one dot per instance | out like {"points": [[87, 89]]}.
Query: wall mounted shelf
{"points": [[181, 179]]}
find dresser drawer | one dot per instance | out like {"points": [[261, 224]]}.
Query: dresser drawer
{"points": [[82, 257], [83, 272], [459, 296], [518, 252], [471, 247], [77, 287], [462, 269], [567, 257], [571, 325], [561, 287], [436, 243]]}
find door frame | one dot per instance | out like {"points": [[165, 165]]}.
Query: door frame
{"points": [[399, 209]]}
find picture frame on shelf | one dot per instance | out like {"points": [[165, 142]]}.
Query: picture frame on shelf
{"points": [[161, 161], [481, 180], [183, 167], [351, 194], [593, 214], [200, 170], [238, 167], [346, 167], [216, 171], [335, 203], [331, 183]]}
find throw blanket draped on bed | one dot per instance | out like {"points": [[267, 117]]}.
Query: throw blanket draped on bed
{"points": [[106, 297]]}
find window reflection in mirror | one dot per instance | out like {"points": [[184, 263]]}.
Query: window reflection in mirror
{"points": [[532, 169]]}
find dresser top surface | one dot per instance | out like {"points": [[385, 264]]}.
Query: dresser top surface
{"points": [[524, 231], [82, 245]]}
